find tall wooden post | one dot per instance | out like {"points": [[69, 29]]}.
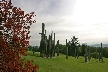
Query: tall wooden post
{"points": [[45, 32], [43, 28], [42, 40], [89, 56], [54, 45], [51, 46], [100, 54], [58, 48], [96, 54], [47, 48], [46, 45], [66, 50], [85, 55]]}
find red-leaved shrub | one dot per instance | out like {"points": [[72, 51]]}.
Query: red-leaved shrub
{"points": [[14, 38]]}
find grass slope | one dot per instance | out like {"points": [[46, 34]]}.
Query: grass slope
{"points": [[60, 64]]}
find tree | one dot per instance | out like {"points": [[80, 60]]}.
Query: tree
{"points": [[105, 52], [14, 38], [30, 48], [74, 46], [34, 49], [62, 48]]}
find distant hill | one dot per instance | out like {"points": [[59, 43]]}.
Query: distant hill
{"points": [[98, 45]]}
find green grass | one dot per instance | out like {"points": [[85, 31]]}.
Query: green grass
{"points": [[61, 64]]}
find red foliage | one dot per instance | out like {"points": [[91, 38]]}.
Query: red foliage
{"points": [[14, 38]]}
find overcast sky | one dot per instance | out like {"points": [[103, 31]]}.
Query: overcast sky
{"points": [[85, 19]]}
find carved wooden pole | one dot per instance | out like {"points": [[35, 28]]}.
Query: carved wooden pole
{"points": [[43, 45], [42, 41], [96, 53], [89, 56], [85, 53], [66, 50], [100, 55], [53, 52], [46, 45], [49, 46], [58, 48]]}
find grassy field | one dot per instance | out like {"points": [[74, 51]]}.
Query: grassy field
{"points": [[60, 64]]}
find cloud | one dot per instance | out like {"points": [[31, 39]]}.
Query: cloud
{"points": [[85, 19]]}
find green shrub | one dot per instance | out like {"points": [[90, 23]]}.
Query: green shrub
{"points": [[95, 55]]}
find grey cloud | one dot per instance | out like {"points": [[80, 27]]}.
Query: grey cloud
{"points": [[55, 15]]}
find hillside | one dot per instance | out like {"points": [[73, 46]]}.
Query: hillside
{"points": [[98, 45], [60, 64]]}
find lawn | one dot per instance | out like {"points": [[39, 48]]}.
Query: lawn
{"points": [[61, 64]]}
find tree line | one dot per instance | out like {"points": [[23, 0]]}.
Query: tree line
{"points": [[94, 51], [75, 49]]}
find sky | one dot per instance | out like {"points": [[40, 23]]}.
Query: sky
{"points": [[85, 19]]}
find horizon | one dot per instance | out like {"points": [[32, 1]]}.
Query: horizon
{"points": [[94, 45], [85, 19]]}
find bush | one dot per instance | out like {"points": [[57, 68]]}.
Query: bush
{"points": [[95, 55]]}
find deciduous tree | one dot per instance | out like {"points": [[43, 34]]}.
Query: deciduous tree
{"points": [[14, 38]]}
